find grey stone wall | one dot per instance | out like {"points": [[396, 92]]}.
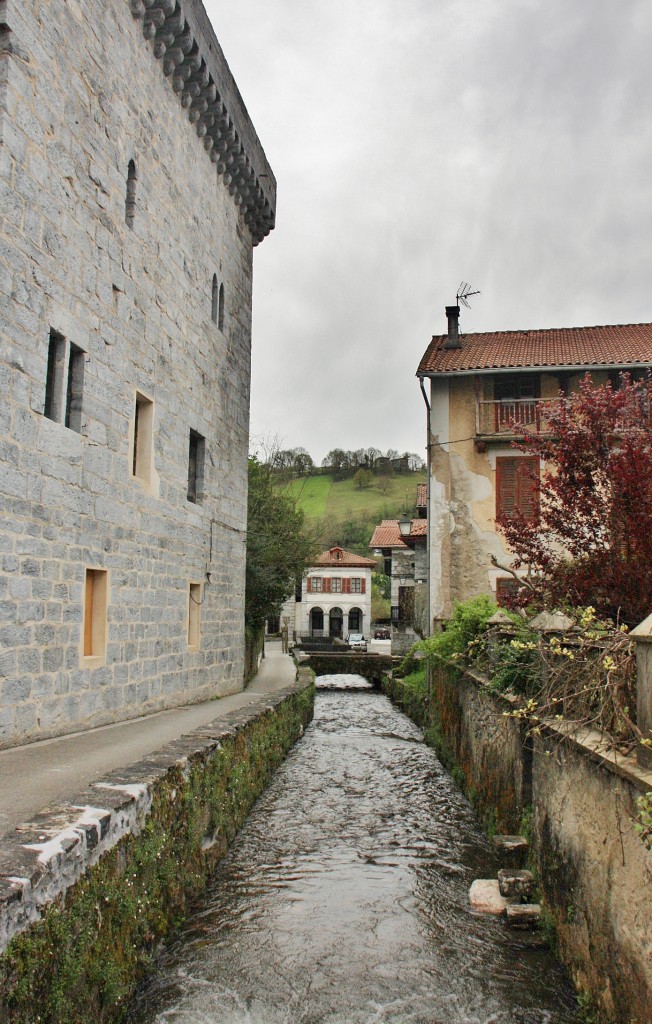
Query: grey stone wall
{"points": [[84, 95]]}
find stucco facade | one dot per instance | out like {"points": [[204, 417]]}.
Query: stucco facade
{"points": [[133, 192], [471, 428], [335, 597]]}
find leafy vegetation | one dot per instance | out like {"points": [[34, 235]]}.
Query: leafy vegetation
{"points": [[592, 540], [279, 546]]}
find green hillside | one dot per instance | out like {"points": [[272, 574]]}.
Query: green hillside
{"points": [[348, 514]]}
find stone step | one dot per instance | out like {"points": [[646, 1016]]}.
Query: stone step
{"points": [[523, 915], [515, 883], [484, 896], [512, 851]]}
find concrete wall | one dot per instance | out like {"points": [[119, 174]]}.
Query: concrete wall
{"points": [[595, 872], [85, 95]]}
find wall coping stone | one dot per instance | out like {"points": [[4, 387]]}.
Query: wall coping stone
{"points": [[45, 856]]}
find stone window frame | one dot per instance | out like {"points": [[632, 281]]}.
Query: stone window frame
{"points": [[141, 442], [195, 599], [221, 308], [64, 381], [196, 466], [130, 194], [95, 606]]}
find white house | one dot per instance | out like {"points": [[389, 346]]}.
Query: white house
{"points": [[335, 597]]}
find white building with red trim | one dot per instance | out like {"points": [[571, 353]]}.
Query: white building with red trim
{"points": [[335, 597]]}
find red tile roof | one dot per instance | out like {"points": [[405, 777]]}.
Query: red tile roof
{"points": [[617, 345], [388, 534], [344, 559], [422, 495]]}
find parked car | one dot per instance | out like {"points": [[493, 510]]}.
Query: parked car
{"points": [[382, 633], [356, 642]]}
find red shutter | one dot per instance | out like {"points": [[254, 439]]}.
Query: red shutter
{"points": [[528, 487], [309, 585], [505, 486], [346, 585], [327, 584], [363, 586], [517, 486]]}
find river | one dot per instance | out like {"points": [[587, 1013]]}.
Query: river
{"points": [[344, 899]]}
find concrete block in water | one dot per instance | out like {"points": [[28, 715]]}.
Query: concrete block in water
{"points": [[523, 915], [511, 850], [485, 897], [515, 883]]}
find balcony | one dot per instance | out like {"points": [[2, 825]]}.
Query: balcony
{"points": [[509, 419]]}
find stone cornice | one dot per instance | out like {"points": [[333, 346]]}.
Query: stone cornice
{"points": [[183, 40]]}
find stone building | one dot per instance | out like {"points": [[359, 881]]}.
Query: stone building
{"points": [[134, 189], [483, 388]]}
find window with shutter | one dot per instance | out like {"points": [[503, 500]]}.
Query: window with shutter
{"points": [[517, 486]]}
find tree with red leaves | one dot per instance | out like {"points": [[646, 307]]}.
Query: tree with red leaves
{"points": [[591, 542]]}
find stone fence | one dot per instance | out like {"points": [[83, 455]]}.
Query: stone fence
{"points": [[577, 800]]}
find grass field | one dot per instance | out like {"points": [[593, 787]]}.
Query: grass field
{"points": [[350, 513]]}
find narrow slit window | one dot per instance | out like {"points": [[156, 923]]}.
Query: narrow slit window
{"points": [[130, 202], [54, 377], [95, 610], [196, 452], [214, 300], [141, 466], [74, 391], [220, 311], [194, 614]]}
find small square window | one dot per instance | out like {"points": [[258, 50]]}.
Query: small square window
{"points": [[196, 455], [94, 631], [143, 439], [194, 614]]}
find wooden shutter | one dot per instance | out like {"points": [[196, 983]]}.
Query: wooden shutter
{"points": [[517, 486], [505, 486], [363, 586], [527, 495], [326, 585], [309, 585], [346, 585]]}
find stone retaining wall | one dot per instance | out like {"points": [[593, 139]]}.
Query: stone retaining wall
{"points": [[577, 799], [89, 890]]}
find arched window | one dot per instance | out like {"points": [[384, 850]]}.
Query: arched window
{"points": [[220, 314], [214, 300], [130, 203]]}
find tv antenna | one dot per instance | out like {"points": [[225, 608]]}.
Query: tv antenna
{"points": [[464, 293]]}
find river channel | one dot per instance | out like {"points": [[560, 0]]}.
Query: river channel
{"points": [[344, 899]]}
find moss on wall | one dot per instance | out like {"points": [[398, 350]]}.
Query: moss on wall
{"points": [[82, 961]]}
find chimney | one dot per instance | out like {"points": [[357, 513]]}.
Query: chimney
{"points": [[453, 339]]}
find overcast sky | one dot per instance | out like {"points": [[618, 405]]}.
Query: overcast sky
{"points": [[417, 143]]}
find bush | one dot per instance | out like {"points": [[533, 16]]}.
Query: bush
{"points": [[461, 635]]}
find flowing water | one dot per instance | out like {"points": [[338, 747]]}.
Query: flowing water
{"points": [[344, 899]]}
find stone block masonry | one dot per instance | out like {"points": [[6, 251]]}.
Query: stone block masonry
{"points": [[89, 890], [577, 799], [130, 178]]}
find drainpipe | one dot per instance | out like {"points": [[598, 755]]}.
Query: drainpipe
{"points": [[428, 460]]}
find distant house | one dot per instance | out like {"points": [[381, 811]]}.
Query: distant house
{"points": [[406, 564], [484, 390], [334, 598]]}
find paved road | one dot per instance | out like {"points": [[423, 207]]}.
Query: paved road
{"points": [[47, 772]]}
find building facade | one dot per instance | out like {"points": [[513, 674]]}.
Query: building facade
{"points": [[483, 388], [334, 598], [134, 189]]}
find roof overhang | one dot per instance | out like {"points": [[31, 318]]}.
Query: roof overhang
{"points": [[565, 368]]}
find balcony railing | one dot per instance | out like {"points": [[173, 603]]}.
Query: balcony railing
{"points": [[512, 417]]}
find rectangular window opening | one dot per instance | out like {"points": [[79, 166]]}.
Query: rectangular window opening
{"points": [[143, 438], [194, 614], [75, 388], [95, 609], [196, 453], [54, 378]]}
